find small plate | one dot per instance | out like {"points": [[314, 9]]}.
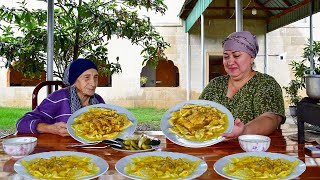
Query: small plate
{"points": [[165, 125], [136, 151], [197, 173], [127, 132], [218, 166], [101, 163]]}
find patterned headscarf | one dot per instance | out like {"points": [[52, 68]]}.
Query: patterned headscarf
{"points": [[242, 41]]}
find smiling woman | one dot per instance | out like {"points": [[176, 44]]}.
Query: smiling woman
{"points": [[254, 98]]}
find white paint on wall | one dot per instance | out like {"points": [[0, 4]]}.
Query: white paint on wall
{"points": [[131, 64], [3, 74]]}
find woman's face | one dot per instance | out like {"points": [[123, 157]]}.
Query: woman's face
{"points": [[237, 64], [87, 82]]}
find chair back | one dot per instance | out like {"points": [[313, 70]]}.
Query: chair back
{"points": [[48, 84]]}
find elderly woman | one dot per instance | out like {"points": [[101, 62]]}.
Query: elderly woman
{"points": [[53, 112], [255, 99]]}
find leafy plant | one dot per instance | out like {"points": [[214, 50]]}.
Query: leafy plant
{"points": [[143, 80], [300, 69], [292, 92], [81, 28]]}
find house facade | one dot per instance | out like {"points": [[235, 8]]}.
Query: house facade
{"points": [[162, 90]]}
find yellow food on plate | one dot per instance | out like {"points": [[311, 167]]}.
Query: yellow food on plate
{"points": [[256, 167], [198, 122], [100, 123], [161, 167], [61, 167]]}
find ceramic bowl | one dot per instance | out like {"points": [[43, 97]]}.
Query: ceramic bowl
{"points": [[252, 143], [19, 146]]}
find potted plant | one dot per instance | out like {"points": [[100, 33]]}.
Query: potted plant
{"points": [[292, 94], [300, 69], [143, 81]]}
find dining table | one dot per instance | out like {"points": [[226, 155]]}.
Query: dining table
{"points": [[280, 143]]}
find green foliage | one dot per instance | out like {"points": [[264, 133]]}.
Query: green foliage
{"points": [[292, 91], [148, 114], [80, 28], [300, 69], [9, 117], [143, 80]]}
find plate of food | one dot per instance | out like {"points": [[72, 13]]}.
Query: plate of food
{"points": [[160, 165], [61, 165], [99, 122], [196, 123], [136, 143], [259, 165]]}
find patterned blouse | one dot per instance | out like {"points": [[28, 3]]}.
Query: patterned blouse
{"points": [[260, 94]]}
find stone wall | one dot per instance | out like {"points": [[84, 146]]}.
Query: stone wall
{"points": [[162, 97]]}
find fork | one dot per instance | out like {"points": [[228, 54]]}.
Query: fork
{"points": [[82, 145], [88, 146], [10, 134]]}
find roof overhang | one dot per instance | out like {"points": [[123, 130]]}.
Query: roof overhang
{"points": [[276, 13]]}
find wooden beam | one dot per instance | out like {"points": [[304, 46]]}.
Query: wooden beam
{"points": [[292, 8], [228, 11], [244, 17], [287, 3], [284, 1], [248, 8], [266, 10], [266, 2]]}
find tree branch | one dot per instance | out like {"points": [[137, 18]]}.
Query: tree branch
{"points": [[60, 5], [77, 35]]}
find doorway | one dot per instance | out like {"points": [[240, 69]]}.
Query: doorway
{"points": [[215, 67]]}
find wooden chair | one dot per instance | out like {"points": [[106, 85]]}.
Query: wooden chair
{"points": [[49, 85]]}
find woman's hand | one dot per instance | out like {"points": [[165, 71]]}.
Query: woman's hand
{"points": [[264, 124], [237, 130], [59, 128]]}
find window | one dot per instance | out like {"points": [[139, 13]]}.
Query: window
{"points": [[166, 74], [104, 81], [216, 67], [16, 78]]}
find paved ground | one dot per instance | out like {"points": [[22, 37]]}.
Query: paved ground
{"points": [[290, 120]]}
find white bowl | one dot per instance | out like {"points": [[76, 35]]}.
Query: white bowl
{"points": [[252, 143], [19, 146]]}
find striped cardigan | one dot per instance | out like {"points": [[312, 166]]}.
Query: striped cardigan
{"points": [[55, 108]]}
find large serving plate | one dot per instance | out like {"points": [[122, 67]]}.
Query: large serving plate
{"points": [[101, 163], [218, 166], [165, 125], [197, 173], [127, 132]]}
